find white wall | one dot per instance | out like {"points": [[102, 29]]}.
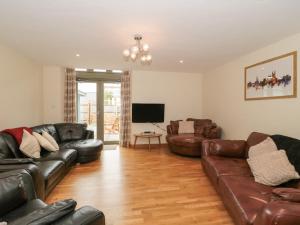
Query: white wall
{"points": [[223, 99], [53, 94], [20, 90], [180, 92]]}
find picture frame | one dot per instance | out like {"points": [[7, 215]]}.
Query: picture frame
{"points": [[272, 79]]}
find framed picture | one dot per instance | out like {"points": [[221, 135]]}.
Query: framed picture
{"points": [[273, 78]]}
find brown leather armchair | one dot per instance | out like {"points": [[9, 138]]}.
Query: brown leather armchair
{"points": [[191, 144], [248, 202]]}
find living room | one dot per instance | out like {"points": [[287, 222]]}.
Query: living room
{"points": [[224, 75]]}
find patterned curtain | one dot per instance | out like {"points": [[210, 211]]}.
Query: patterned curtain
{"points": [[125, 129], [70, 96]]}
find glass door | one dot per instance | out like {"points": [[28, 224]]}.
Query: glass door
{"points": [[112, 109], [99, 105], [87, 105]]}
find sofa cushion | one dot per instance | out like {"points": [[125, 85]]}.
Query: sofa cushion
{"points": [[266, 146], [30, 145], [68, 156], [49, 128], [292, 148], [17, 133], [70, 131], [174, 126], [189, 140], [50, 139], [272, 168], [44, 143], [186, 127], [243, 197], [52, 171], [217, 166]]}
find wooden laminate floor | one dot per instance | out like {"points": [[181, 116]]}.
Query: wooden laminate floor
{"points": [[138, 187]]}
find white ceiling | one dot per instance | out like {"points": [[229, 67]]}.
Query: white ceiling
{"points": [[203, 33]]}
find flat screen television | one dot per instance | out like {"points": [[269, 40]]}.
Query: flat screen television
{"points": [[148, 113]]}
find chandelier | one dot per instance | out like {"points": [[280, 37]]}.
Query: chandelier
{"points": [[138, 51]]}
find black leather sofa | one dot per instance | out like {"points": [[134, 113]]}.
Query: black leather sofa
{"points": [[77, 145], [19, 205]]}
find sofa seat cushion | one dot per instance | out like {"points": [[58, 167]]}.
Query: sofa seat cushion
{"points": [[87, 150], [52, 171], [216, 166], [68, 156], [187, 140], [25, 209], [243, 197]]}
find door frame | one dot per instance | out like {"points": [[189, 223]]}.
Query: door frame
{"points": [[99, 78]]}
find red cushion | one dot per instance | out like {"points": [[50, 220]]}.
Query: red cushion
{"points": [[17, 133]]}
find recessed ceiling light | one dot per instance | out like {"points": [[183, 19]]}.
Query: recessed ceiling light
{"points": [[80, 69], [77, 55], [99, 70], [181, 61], [117, 71]]}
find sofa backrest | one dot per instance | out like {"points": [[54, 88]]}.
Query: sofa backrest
{"points": [[9, 147], [70, 131], [199, 125], [49, 128]]}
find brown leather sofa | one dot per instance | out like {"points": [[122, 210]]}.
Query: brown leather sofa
{"points": [[191, 144], [248, 202]]}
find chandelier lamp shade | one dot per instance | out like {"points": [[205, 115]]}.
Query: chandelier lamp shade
{"points": [[138, 51]]}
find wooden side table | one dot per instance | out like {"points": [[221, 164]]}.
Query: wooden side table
{"points": [[148, 136]]}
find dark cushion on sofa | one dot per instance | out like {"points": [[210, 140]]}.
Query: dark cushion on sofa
{"points": [[9, 147], [291, 147], [70, 131]]}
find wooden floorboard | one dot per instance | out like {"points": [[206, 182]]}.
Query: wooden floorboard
{"points": [[138, 187]]}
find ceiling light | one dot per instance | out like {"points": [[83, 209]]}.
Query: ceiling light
{"points": [[99, 70], [117, 71], [139, 50], [181, 61], [77, 55], [80, 69]]}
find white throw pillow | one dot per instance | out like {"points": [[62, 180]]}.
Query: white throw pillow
{"points": [[263, 147], [186, 127], [30, 146], [51, 140], [44, 142], [272, 168]]}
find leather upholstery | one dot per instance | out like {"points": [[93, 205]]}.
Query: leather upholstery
{"points": [[88, 150], [191, 144], [248, 202], [48, 171], [27, 209], [70, 131]]}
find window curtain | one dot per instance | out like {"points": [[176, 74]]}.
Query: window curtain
{"points": [[125, 123], [70, 96]]}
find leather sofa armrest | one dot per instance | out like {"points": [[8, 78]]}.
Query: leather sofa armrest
{"points": [[89, 134], [279, 213], [224, 148], [286, 194], [83, 216], [16, 161], [35, 173]]}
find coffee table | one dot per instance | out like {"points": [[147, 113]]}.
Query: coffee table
{"points": [[148, 136]]}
